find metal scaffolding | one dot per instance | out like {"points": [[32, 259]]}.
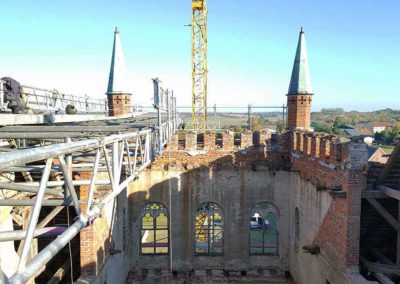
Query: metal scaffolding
{"points": [[122, 156], [199, 64]]}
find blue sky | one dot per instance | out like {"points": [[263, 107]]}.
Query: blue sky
{"points": [[353, 48]]}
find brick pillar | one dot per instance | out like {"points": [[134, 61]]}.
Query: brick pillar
{"points": [[246, 139], [300, 142], [264, 137], [293, 141], [227, 140], [324, 149], [315, 146], [356, 176], [191, 141], [209, 140], [173, 143], [333, 151], [307, 144]]}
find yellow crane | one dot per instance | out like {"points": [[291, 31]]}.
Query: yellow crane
{"points": [[199, 64]]}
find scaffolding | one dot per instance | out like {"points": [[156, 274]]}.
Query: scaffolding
{"points": [[199, 64]]}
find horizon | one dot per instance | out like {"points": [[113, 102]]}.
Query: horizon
{"points": [[50, 48]]}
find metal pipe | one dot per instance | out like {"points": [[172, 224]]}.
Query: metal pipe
{"points": [[21, 234], [35, 216], [31, 155], [69, 185], [48, 253], [92, 183], [61, 183], [31, 202], [27, 188]]}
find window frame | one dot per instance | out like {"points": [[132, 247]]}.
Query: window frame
{"points": [[154, 213], [274, 211], [198, 211]]}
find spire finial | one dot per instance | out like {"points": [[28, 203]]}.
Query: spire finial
{"points": [[301, 30], [116, 30]]}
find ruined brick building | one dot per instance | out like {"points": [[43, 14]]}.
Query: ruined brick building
{"points": [[295, 206], [259, 207]]}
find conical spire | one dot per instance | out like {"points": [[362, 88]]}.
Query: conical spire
{"points": [[300, 83], [117, 81]]}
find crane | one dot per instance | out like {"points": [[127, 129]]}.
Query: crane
{"points": [[199, 64]]}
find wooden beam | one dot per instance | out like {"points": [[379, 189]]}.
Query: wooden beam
{"points": [[389, 164], [389, 191], [382, 278], [373, 194], [383, 268], [386, 215]]}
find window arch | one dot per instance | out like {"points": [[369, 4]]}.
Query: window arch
{"points": [[209, 226], [154, 229], [296, 228], [263, 234]]}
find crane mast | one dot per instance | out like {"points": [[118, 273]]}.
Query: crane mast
{"points": [[199, 64]]}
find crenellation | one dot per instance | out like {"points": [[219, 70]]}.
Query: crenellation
{"points": [[191, 141], [228, 140], [209, 140], [246, 139]]}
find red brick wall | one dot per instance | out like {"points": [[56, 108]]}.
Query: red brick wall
{"points": [[299, 111], [343, 167]]}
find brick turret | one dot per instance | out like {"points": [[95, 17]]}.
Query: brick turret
{"points": [[299, 96], [119, 100]]}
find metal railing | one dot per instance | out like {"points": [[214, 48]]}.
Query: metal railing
{"points": [[53, 100], [38, 98]]}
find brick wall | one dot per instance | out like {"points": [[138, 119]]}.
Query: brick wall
{"points": [[94, 239], [339, 165]]}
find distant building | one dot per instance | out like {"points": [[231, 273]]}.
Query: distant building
{"points": [[377, 126], [377, 155]]}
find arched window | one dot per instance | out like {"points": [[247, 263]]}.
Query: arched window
{"points": [[154, 227], [296, 228], [209, 228], [263, 237]]}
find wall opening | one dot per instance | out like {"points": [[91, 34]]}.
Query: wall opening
{"points": [[209, 225], [218, 140], [263, 234], [154, 228], [200, 140]]}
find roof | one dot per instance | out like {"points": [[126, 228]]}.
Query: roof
{"points": [[377, 155], [364, 131], [380, 123], [300, 82], [117, 81], [344, 126]]}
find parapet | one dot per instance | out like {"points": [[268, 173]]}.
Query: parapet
{"points": [[228, 141]]}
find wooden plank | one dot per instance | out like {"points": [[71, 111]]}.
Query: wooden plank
{"points": [[390, 163], [389, 191], [384, 213], [383, 268], [382, 278], [373, 194]]}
